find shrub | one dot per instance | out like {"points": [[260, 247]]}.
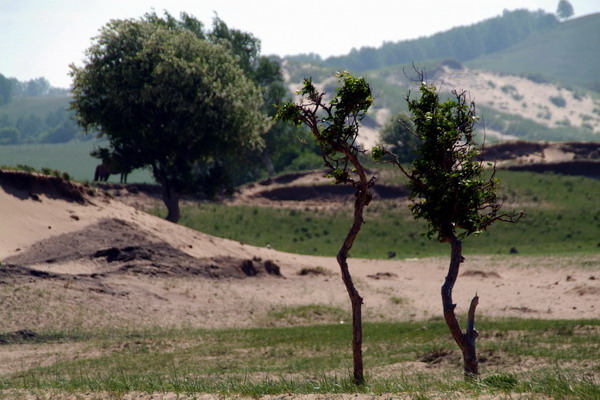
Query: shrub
{"points": [[558, 101]]}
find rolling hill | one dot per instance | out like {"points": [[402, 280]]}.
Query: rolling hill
{"points": [[569, 53], [543, 86]]}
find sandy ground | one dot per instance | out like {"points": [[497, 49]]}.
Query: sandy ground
{"points": [[56, 256]]}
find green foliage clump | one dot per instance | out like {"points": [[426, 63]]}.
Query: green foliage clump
{"points": [[446, 179], [337, 129], [564, 9], [398, 133], [558, 101]]}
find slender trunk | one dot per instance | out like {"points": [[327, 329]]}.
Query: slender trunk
{"points": [[356, 301], [363, 196], [466, 341]]}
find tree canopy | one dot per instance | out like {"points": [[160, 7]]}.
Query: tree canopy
{"points": [[167, 99], [277, 152], [564, 9]]}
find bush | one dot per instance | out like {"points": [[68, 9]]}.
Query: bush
{"points": [[26, 168], [558, 101]]}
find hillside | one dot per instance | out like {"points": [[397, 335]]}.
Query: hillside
{"points": [[533, 87], [511, 107], [461, 43], [568, 53]]}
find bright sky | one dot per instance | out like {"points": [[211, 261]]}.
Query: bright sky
{"points": [[42, 37]]}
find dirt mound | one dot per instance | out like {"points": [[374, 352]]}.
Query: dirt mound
{"points": [[26, 185], [115, 246]]}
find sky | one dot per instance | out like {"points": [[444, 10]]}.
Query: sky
{"points": [[43, 37]]}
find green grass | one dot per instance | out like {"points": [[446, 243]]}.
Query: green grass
{"points": [[73, 158], [561, 359], [562, 218]]}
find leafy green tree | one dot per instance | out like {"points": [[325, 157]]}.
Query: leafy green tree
{"points": [[564, 9], [166, 99], [398, 134], [335, 128], [450, 191], [265, 72]]}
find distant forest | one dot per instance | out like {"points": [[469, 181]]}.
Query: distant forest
{"points": [[49, 121], [462, 43]]}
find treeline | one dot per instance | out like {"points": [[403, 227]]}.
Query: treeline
{"points": [[462, 43], [53, 126], [11, 88]]}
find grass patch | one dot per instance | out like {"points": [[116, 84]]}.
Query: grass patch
{"points": [[73, 158], [562, 219], [317, 359]]}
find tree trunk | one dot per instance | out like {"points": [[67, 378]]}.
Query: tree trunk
{"points": [[170, 196], [356, 301], [466, 341], [171, 200], [363, 197]]}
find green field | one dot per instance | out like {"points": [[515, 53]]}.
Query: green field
{"points": [[73, 158], [562, 218], [554, 358]]}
